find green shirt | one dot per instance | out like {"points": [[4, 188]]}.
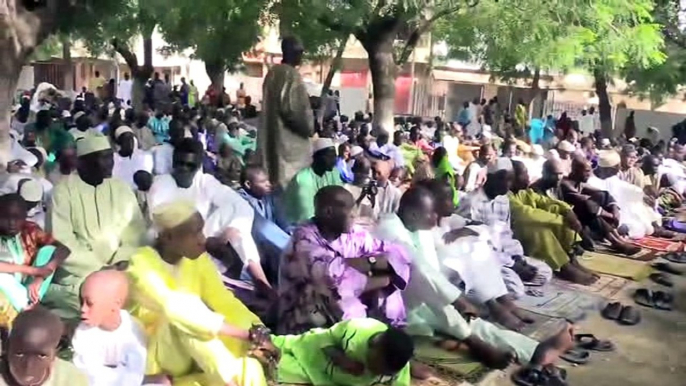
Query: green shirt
{"points": [[63, 374], [300, 192], [304, 362]]}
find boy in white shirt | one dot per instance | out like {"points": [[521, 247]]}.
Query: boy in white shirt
{"points": [[109, 345]]}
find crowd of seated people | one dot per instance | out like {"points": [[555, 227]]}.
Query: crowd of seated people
{"points": [[166, 254]]}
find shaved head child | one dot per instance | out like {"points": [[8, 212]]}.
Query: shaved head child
{"points": [[109, 345]]}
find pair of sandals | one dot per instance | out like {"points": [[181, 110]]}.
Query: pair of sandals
{"points": [[662, 277], [585, 343], [654, 299], [624, 315], [551, 375]]}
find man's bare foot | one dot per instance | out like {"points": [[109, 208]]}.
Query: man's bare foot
{"points": [[508, 303], [449, 344], [571, 272], [548, 351], [503, 316], [420, 371], [489, 355]]}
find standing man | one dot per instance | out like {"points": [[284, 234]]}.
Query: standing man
{"points": [[185, 92], [124, 89], [283, 143]]}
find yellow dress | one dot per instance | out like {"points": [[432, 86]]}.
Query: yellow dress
{"points": [[182, 308]]}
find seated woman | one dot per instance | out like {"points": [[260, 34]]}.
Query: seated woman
{"points": [[197, 330], [28, 258], [335, 271]]}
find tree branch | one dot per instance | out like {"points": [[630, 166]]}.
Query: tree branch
{"points": [[676, 37], [129, 57]]}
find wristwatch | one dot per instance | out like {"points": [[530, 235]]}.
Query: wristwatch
{"points": [[372, 262]]}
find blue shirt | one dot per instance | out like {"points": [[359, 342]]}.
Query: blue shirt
{"points": [[159, 128]]}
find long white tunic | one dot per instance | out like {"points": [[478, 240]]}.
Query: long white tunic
{"points": [[634, 213], [111, 358], [219, 205]]}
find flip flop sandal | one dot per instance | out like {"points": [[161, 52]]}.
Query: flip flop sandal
{"points": [[612, 311], [629, 316], [663, 300], [529, 376], [554, 371], [666, 267], [661, 278], [644, 297], [576, 356], [676, 257], [590, 342]]}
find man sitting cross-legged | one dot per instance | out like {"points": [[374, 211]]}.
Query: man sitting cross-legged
{"points": [[97, 217], [30, 357], [109, 345], [198, 332], [228, 219], [334, 270], [436, 305], [547, 228], [491, 206]]}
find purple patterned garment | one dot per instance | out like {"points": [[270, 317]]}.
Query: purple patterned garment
{"points": [[317, 288]]}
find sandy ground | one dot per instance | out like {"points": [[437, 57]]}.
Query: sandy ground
{"points": [[650, 353]]}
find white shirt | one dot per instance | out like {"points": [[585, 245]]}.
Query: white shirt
{"points": [[111, 358], [391, 151], [163, 156], [587, 124], [124, 90], [219, 205], [125, 167]]}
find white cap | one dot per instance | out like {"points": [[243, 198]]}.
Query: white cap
{"points": [[537, 149], [502, 163], [355, 151], [31, 191], [566, 146], [121, 130], [321, 144], [608, 158]]}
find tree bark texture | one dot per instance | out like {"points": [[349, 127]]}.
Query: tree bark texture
{"points": [[21, 31], [378, 42], [604, 106], [140, 73], [216, 71], [68, 65]]}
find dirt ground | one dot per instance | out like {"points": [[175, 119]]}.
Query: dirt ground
{"points": [[650, 353]]}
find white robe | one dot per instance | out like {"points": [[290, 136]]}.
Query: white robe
{"points": [[126, 167], [219, 205], [429, 296], [111, 358], [634, 214], [163, 156]]}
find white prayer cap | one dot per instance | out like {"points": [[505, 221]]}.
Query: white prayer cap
{"points": [[653, 128], [501, 163], [91, 144], [486, 135], [42, 151], [605, 142], [633, 139], [31, 191], [553, 154], [121, 130], [321, 144], [537, 150], [79, 115], [566, 146], [608, 158], [66, 114], [172, 214], [355, 151]]}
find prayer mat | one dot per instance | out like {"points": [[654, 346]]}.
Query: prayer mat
{"points": [[455, 365], [559, 301], [658, 244], [645, 254], [606, 286], [615, 266]]}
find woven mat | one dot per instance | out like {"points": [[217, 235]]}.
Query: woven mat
{"points": [[658, 244], [615, 266], [455, 365], [560, 301], [605, 287], [645, 254]]}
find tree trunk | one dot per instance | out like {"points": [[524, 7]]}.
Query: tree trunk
{"points": [[604, 106], [383, 69], [335, 66], [138, 92], [535, 93], [68, 65], [8, 84], [216, 72]]}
